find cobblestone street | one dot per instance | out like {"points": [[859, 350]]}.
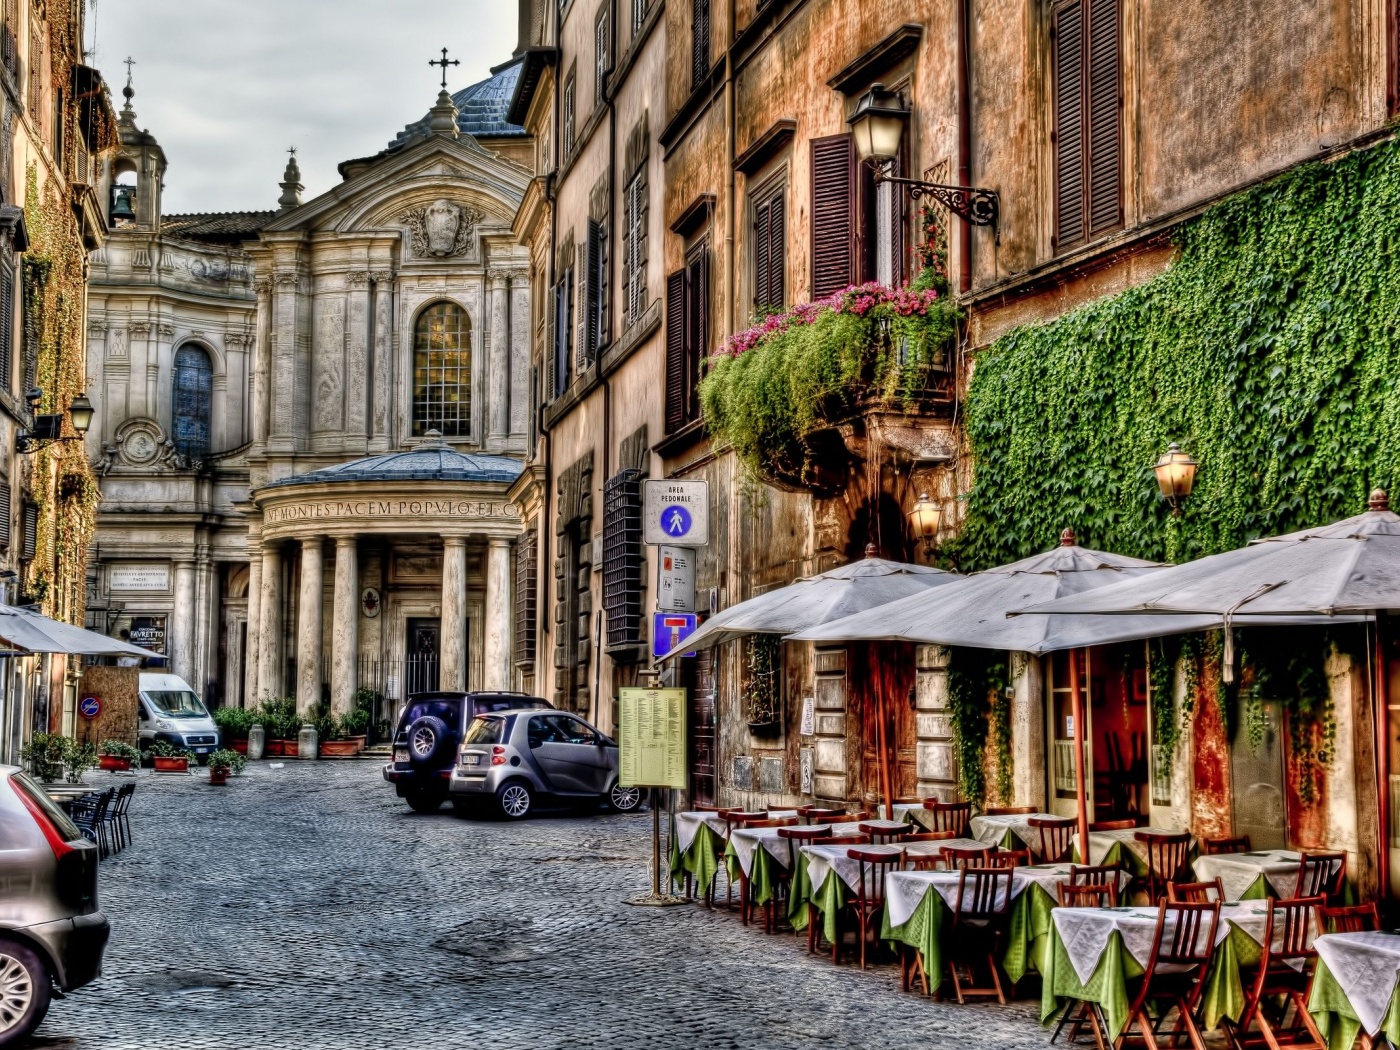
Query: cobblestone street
{"points": [[307, 907]]}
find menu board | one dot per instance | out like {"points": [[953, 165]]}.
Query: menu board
{"points": [[651, 737]]}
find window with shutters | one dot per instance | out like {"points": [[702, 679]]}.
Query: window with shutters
{"points": [[699, 42], [592, 315], [602, 51], [527, 581], [442, 371], [1086, 39], [563, 331], [639, 14], [769, 252], [7, 326], [4, 513], [634, 246], [687, 337], [30, 539], [569, 104], [192, 401], [623, 560], [833, 215], [9, 38]]}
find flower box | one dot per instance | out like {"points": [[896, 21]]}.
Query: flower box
{"points": [[172, 765], [241, 746], [341, 748], [113, 764]]}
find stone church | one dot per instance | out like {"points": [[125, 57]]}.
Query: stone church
{"points": [[308, 418]]}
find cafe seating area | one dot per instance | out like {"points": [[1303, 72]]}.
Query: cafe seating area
{"points": [[1140, 936]]}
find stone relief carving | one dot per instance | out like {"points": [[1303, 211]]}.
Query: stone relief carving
{"points": [[116, 343], [357, 278], [140, 442], [211, 269], [441, 230], [141, 329]]}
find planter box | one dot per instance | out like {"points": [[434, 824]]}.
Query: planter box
{"points": [[218, 776], [113, 764], [281, 749], [172, 765], [341, 748], [241, 746]]}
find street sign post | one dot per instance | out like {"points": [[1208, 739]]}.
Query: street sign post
{"points": [[676, 589], [652, 753], [676, 512], [668, 630]]}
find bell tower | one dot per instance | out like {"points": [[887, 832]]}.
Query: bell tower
{"points": [[134, 178]]}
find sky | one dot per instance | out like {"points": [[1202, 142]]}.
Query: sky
{"points": [[226, 86]]}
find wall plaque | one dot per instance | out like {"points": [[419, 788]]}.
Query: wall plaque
{"points": [[146, 577]]}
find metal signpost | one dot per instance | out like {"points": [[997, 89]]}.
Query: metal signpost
{"points": [[651, 743]]}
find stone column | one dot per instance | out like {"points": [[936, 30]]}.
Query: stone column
{"points": [[382, 416], [454, 613], [184, 624], [250, 649], [496, 657], [357, 357], [309, 624], [345, 628], [282, 364], [498, 379], [270, 682]]}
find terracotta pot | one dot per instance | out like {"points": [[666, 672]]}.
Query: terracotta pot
{"points": [[218, 776], [359, 743], [339, 748], [113, 764], [241, 746], [281, 748], [172, 765]]}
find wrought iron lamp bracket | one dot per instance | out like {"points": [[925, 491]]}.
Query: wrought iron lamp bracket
{"points": [[975, 206]]}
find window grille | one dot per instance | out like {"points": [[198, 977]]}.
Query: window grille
{"points": [[442, 372], [623, 559], [526, 595]]}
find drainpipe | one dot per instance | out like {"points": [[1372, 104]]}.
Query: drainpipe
{"points": [[547, 516], [602, 375], [730, 192], [964, 142]]}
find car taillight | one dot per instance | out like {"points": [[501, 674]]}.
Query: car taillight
{"points": [[498, 756], [54, 837]]}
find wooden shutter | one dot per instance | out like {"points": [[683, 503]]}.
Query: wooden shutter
{"points": [[585, 340], [1105, 199], [769, 229], [697, 328], [1067, 34], [526, 592], [833, 214], [4, 513], [31, 532], [762, 220], [675, 351], [598, 237], [700, 43], [777, 251], [7, 327]]}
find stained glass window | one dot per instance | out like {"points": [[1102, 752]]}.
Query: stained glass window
{"points": [[194, 379], [442, 372]]}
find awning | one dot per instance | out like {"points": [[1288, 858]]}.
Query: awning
{"points": [[35, 633]]}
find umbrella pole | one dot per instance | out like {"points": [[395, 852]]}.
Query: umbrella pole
{"points": [[1080, 791], [1382, 703], [884, 747]]}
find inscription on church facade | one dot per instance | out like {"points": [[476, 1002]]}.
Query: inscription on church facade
{"points": [[375, 509]]}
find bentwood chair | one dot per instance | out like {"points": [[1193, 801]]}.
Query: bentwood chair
{"points": [[1195, 892], [797, 838], [1284, 975], [925, 860], [1056, 837], [1358, 918], [746, 901], [1237, 844], [960, 858], [842, 818], [1010, 858], [1095, 874], [949, 816], [1182, 948], [1166, 860], [979, 921], [868, 902], [882, 834], [1113, 825], [1321, 874], [1008, 811]]}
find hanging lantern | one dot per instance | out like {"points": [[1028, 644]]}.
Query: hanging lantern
{"points": [[926, 517], [1176, 474]]}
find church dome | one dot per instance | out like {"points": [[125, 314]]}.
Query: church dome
{"points": [[481, 111], [429, 462]]}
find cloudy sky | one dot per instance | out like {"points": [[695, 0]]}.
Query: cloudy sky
{"points": [[227, 85]]}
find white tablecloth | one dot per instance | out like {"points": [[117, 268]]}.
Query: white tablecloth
{"points": [[1237, 872], [822, 858], [1085, 933], [744, 841], [688, 826], [1100, 842], [906, 890], [914, 813], [992, 830], [1366, 966]]}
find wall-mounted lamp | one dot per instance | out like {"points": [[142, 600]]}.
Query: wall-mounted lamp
{"points": [[1176, 476], [49, 427], [926, 517]]}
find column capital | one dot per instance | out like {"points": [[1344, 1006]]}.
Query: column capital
{"points": [[500, 541], [454, 541], [309, 542], [346, 542]]}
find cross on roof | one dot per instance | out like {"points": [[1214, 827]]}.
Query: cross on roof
{"points": [[444, 61], [129, 63]]}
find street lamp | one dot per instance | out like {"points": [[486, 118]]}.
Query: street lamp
{"points": [[926, 517], [49, 426], [877, 126], [80, 414], [1176, 474]]}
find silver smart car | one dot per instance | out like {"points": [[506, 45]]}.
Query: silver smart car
{"points": [[513, 758], [51, 933]]}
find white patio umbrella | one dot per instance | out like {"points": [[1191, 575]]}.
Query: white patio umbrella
{"points": [[35, 633]]}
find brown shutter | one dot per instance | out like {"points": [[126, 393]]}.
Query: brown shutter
{"points": [[675, 351], [700, 43], [1105, 118], [1067, 35], [777, 251], [833, 218], [761, 223], [700, 290]]}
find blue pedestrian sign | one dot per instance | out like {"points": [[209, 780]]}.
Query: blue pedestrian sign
{"points": [[676, 513], [675, 522]]}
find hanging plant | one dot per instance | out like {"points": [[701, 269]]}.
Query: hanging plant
{"points": [[1163, 656], [761, 698], [977, 706]]}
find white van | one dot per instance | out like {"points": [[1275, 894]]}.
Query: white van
{"points": [[171, 710]]}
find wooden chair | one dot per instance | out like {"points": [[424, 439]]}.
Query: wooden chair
{"points": [[1318, 878], [1010, 858], [842, 818], [746, 901], [1008, 811], [1213, 847], [868, 902], [1358, 918], [929, 836], [811, 813], [1284, 974], [1094, 874], [950, 816], [960, 858], [1056, 837], [882, 835], [979, 920], [1176, 971], [1085, 895], [797, 837], [1166, 860], [1113, 825], [1195, 892], [925, 861]]}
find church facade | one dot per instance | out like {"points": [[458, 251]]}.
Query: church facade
{"points": [[309, 418]]}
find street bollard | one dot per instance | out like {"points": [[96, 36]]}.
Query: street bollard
{"points": [[257, 742], [306, 742]]}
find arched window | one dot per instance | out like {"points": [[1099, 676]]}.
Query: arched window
{"points": [[194, 380], [442, 371]]}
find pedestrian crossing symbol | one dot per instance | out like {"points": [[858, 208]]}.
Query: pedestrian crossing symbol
{"points": [[676, 513], [675, 522]]}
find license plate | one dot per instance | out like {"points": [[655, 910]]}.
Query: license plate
{"points": [[471, 760], [400, 754], [202, 750]]}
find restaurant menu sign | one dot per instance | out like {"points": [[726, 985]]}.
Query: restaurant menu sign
{"points": [[651, 737]]}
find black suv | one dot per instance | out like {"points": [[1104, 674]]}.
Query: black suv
{"points": [[428, 736]]}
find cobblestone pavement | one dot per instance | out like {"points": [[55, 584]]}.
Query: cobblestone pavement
{"points": [[307, 907]]}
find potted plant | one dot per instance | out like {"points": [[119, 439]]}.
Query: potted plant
{"points": [[168, 758], [355, 727], [116, 756], [44, 756], [763, 695], [279, 719], [234, 723], [223, 764]]}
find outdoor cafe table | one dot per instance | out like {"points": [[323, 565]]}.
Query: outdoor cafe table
{"points": [[696, 839], [914, 813], [1010, 830], [1355, 987], [1094, 953], [811, 882], [753, 852], [919, 904], [1252, 876], [1119, 847]]}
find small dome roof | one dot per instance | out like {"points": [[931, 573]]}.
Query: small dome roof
{"points": [[433, 461], [481, 111]]}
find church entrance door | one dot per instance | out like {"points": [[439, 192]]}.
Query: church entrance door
{"points": [[422, 655]]}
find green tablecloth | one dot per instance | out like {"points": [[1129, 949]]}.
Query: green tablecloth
{"points": [[700, 861], [1337, 1021], [761, 871], [829, 900], [1108, 987]]}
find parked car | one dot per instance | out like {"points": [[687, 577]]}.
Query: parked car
{"points": [[169, 709], [513, 758], [429, 731], [51, 932]]}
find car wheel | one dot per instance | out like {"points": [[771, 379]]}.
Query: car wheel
{"points": [[24, 992], [426, 738], [624, 800], [514, 798], [424, 801]]}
